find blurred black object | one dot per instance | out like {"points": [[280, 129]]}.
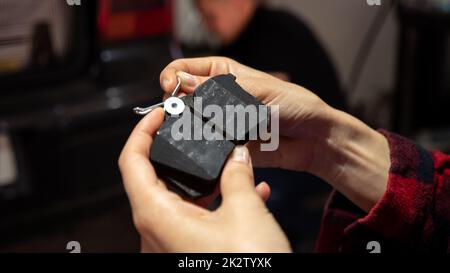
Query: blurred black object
{"points": [[193, 168], [42, 54], [67, 120], [423, 83]]}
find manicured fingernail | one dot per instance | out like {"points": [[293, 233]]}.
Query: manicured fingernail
{"points": [[187, 79], [241, 154]]}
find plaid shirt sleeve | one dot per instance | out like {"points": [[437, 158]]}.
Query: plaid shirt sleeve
{"points": [[412, 216]]}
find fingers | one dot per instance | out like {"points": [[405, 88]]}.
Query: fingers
{"points": [[203, 67], [141, 138], [266, 89], [263, 190], [263, 159], [190, 82], [237, 177], [258, 87], [138, 174], [206, 201], [155, 209]]}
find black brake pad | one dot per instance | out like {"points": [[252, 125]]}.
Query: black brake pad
{"points": [[193, 167]]}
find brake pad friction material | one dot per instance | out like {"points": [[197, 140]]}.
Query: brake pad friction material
{"points": [[191, 167], [223, 91], [197, 163]]}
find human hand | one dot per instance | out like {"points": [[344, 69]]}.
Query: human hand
{"points": [[303, 116], [167, 223], [314, 137]]}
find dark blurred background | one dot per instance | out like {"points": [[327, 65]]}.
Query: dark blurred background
{"points": [[71, 71]]}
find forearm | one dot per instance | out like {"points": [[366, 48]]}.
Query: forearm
{"points": [[354, 159]]}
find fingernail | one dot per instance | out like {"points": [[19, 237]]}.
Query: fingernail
{"points": [[166, 84], [187, 79], [240, 154]]}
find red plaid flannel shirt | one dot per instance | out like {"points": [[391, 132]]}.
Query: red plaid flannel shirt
{"points": [[412, 216]]}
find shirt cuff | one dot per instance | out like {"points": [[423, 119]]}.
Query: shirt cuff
{"points": [[401, 214]]}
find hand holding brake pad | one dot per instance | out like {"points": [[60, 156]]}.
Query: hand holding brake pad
{"points": [[192, 167]]}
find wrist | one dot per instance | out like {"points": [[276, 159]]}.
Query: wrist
{"points": [[353, 158]]}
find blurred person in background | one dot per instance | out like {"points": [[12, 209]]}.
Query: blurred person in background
{"points": [[273, 41], [279, 43]]}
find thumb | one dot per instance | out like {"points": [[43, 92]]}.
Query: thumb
{"points": [[237, 176]]}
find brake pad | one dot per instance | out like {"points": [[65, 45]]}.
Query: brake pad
{"points": [[192, 167]]}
